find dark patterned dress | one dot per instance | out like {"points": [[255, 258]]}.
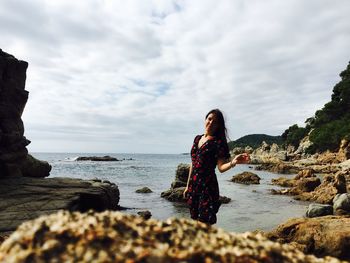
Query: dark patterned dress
{"points": [[203, 188]]}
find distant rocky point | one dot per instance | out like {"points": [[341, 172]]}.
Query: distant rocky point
{"points": [[97, 158]]}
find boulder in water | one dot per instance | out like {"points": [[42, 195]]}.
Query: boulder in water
{"points": [[144, 190], [246, 178]]}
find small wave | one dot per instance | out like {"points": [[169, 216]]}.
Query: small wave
{"points": [[137, 167], [71, 159]]}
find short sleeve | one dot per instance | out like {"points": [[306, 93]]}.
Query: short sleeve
{"points": [[223, 151], [196, 139]]}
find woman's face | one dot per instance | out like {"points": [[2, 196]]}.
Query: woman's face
{"points": [[211, 124]]}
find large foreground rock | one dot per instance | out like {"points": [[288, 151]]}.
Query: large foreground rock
{"points": [[25, 198], [328, 235], [116, 237], [14, 158]]}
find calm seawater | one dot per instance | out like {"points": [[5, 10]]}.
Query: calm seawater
{"points": [[251, 208]]}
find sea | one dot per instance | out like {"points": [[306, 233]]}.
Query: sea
{"points": [[252, 207]]}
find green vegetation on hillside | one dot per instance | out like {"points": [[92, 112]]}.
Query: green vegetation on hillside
{"points": [[330, 124], [255, 140]]}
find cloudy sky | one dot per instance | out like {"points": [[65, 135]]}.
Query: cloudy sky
{"points": [[139, 76]]}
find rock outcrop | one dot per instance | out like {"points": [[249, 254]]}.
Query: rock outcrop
{"points": [[310, 188], [175, 193], [278, 167], [246, 178], [24, 198], [116, 237], [321, 236], [14, 157], [268, 154], [291, 160]]}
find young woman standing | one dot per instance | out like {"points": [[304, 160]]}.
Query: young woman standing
{"points": [[208, 151]]}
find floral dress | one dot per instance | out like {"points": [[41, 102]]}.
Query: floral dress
{"points": [[203, 188]]}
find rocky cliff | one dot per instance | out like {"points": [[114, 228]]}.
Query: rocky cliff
{"points": [[14, 157]]}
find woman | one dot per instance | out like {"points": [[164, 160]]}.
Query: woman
{"points": [[209, 150]]}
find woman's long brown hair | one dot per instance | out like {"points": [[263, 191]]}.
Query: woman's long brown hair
{"points": [[221, 131]]}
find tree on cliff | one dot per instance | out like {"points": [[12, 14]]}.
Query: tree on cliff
{"points": [[294, 134], [331, 124], [339, 106], [255, 141]]}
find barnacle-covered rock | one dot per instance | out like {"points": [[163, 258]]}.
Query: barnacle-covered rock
{"points": [[117, 237]]}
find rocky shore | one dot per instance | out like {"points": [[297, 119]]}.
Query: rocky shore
{"points": [[290, 161], [323, 179], [116, 237]]}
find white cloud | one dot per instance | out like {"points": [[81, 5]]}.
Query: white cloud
{"points": [[139, 76]]}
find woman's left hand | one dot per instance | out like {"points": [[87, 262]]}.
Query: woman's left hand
{"points": [[242, 158]]}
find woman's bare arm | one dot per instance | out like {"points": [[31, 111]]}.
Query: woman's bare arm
{"points": [[188, 180], [223, 165]]}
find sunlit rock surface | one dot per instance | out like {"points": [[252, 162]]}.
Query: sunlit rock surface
{"points": [[327, 235]]}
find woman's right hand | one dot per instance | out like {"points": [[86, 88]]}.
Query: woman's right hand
{"points": [[185, 192]]}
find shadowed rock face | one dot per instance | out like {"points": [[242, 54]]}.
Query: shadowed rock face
{"points": [[14, 158], [117, 237]]}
